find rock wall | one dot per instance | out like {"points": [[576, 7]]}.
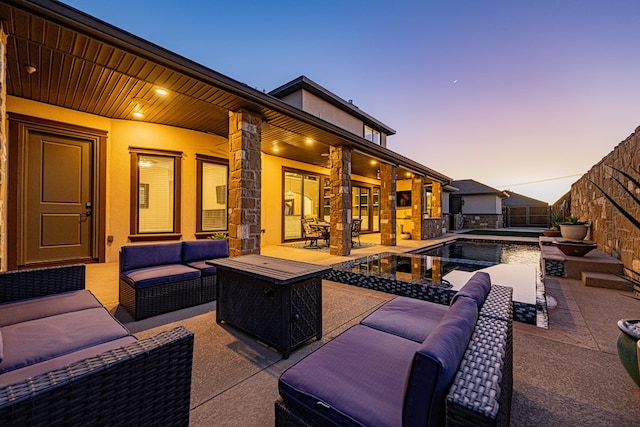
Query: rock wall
{"points": [[608, 196]]}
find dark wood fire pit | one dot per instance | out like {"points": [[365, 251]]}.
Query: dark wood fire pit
{"points": [[575, 248]]}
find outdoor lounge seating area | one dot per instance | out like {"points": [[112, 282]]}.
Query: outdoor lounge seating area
{"points": [[568, 374], [65, 360], [156, 279], [410, 362]]}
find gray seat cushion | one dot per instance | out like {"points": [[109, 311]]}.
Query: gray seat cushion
{"points": [[436, 363], [36, 308], [38, 340], [409, 318], [358, 378], [160, 275]]}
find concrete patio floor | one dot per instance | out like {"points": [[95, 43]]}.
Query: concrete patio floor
{"points": [[566, 375]]}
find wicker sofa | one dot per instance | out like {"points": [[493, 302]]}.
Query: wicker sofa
{"points": [[67, 361], [413, 363], [160, 278]]}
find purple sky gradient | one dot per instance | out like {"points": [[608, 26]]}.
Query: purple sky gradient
{"points": [[504, 92]]}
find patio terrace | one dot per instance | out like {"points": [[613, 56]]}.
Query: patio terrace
{"points": [[566, 375]]}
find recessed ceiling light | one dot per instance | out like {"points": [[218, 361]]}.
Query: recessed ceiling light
{"points": [[309, 140], [161, 91], [138, 114]]}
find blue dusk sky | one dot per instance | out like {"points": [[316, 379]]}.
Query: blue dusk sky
{"points": [[517, 94]]}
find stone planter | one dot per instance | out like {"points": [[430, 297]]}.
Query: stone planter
{"points": [[573, 231], [629, 347]]}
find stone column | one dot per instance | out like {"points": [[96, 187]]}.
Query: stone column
{"points": [[418, 207], [436, 199], [3, 147], [387, 204], [245, 169], [340, 233]]}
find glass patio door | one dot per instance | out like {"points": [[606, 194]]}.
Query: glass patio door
{"points": [[361, 206], [301, 199]]}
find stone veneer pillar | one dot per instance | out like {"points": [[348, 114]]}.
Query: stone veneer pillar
{"points": [[245, 168], [387, 204], [418, 207], [436, 199], [340, 232], [3, 148]]}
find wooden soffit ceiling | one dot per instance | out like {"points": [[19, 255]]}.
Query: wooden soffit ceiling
{"points": [[86, 65]]}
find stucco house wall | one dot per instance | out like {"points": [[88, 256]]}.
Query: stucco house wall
{"points": [[482, 204]]}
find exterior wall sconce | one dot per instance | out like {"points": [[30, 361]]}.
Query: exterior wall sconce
{"points": [[425, 215], [378, 174]]}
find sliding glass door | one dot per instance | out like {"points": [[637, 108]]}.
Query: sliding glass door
{"points": [[301, 199]]}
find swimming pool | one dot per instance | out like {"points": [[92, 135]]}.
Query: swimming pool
{"points": [[437, 273], [495, 252]]}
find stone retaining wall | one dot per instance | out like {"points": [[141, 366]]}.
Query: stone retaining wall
{"points": [[608, 195], [483, 221]]}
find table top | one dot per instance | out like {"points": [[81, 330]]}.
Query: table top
{"points": [[277, 270]]}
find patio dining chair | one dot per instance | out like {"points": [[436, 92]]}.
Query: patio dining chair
{"points": [[356, 224], [309, 234]]}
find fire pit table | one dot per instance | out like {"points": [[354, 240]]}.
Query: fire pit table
{"points": [[277, 301]]}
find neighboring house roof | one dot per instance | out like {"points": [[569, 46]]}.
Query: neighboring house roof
{"points": [[470, 187], [516, 199], [307, 84]]}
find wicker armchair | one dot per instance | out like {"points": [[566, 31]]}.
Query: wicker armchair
{"points": [[147, 382]]}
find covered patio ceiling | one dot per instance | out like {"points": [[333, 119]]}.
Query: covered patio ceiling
{"points": [[60, 56]]}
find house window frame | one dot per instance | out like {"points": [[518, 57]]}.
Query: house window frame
{"points": [[373, 132], [200, 160], [135, 235]]}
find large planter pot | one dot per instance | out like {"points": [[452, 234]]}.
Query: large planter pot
{"points": [[575, 247], [629, 348], [573, 231]]}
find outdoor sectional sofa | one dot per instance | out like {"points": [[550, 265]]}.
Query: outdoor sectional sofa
{"points": [[66, 361], [410, 363], [160, 278]]}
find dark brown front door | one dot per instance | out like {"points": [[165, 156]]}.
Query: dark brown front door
{"points": [[58, 202]]}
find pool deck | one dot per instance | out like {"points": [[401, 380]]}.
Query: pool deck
{"points": [[566, 375]]}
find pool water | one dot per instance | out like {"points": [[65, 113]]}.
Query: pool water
{"points": [[491, 252]]}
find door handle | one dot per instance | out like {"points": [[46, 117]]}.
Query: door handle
{"points": [[89, 209]]}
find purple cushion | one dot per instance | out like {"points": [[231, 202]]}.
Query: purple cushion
{"points": [[405, 317], [1, 348], [205, 269], [477, 288], [436, 363], [160, 275], [140, 256], [35, 308], [201, 250], [38, 340], [355, 379], [30, 371]]}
